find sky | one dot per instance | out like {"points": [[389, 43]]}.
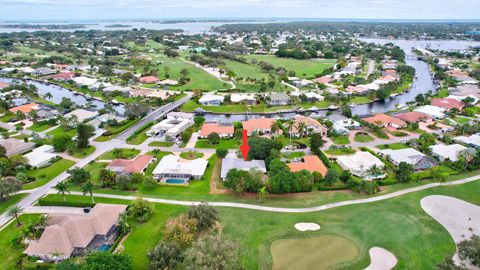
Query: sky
{"points": [[139, 9]]}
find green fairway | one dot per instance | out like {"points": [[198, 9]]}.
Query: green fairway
{"points": [[319, 253], [44, 175]]}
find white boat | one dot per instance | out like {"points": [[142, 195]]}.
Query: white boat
{"points": [[352, 105], [332, 107]]}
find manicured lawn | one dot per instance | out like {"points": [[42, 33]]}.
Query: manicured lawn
{"points": [[127, 153], [191, 105], [40, 126], [190, 155], [161, 144], [116, 130], [330, 250], [293, 155], [397, 133], [44, 175], [360, 100], [340, 140], [60, 130], [339, 151], [363, 137], [94, 170], [393, 146], [224, 143], [81, 153], [461, 120], [11, 200], [10, 250], [140, 135]]}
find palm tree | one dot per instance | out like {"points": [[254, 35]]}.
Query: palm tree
{"points": [[274, 128], [290, 124], [13, 212], [118, 153], [87, 188], [62, 188], [375, 170], [302, 128], [48, 95]]}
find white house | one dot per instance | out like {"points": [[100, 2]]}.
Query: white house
{"points": [[473, 140], [229, 163], [81, 114], [248, 98], [360, 163], [411, 156], [173, 125], [434, 111], [171, 168], [211, 100], [447, 152], [40, 156]]}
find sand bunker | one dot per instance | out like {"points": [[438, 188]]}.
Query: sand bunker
{"points": [[306, 226], [381, 259], [459, 218]]}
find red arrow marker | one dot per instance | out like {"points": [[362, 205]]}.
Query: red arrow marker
{"points": [[245, 148]]}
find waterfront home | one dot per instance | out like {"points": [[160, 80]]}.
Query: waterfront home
{"points": [[447, 103], [245, 98], [172, 168], [465, 90], [311, 126], [413, 117], [62, 76], [68, 235], [43, 72], [342, 125], [211, 100], [173, 125], [384, 120], [418, 160], [26, 108], [310, 163], [447, 152], [278, 99], [357, 90], [258, 125], [84, 81], [15, 146], [230, 163], [81, 115], [360, 163], [434, 111], [224, 131], [129, 166]]}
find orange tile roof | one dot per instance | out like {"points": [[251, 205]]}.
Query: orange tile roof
{"points": [[3, 85], [310, 163], [25, 108], [132, 166], [149, 79], [208, 128], [413, 117], [385, 119], [258, 124], [323, 79], [447, 103]]}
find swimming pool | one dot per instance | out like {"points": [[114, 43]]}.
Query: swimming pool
{"points": [[104, 247], [175, 181]]}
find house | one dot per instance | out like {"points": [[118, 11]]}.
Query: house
{"points": [[447, 103], [26, 108], [413, 117], [342, 125], [211, 100], [15, 146], [474, 101], [278, 99], [81, 115], [68, 235], [129, 166], [46, 114], [323, 79], [43, 72], [229, 163], [310, 163], [312, 97], [62, 76], [116, 88], [384, 120], [41, 156], [311, 126], [472, 141], [149, 79], [224, 131], [359, 164], [172, 168], [246, 98], [447, 152], [356, 90], [84, 81], [168, 82], [258, 125], [418, 160], [4, 85], [302, 83], [173, 125], [434, 111], [465, 90]]}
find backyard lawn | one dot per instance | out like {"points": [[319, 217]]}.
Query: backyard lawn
{"points": [[191, 105], [40, 126], [339, 151], [44, 175]]}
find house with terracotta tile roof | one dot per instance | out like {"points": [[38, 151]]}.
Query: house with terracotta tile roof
{"points": [[258, 126], [149, 79], [323, 79], [311, 126], [128, 166], [356, 90], [62, 76], [310, 163], [224, 131], [27, 108], [413, 117], [68, 235], [447, 103], [4, 85], [385, 120]]}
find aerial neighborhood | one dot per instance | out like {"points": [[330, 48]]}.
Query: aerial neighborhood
{"points": [[158, 149]]}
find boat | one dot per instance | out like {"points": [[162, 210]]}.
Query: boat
{"points": [[88, 97], [332, 107], [351, 105], [114, 101]]}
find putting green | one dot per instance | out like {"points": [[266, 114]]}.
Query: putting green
{"points": [[321, 252]]}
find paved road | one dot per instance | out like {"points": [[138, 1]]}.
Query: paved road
{"points": [[293, 210], [156, 114], [371, 67]]}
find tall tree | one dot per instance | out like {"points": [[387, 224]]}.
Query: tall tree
{"points": [[15, 211], [88, 188], [62, 188]]}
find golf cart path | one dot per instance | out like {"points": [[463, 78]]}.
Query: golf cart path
{"points": [[287, 210], [460, 218], [381, 259]]}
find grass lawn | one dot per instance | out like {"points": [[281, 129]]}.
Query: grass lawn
{"points": [[339, 151], [461, 120], [11, 200], [140, 135], [330, 250], [191, 155], [360, 100], [293, 155], [224, 143], [116, 130], [81, 153], [9, 249], [58, 131], [40, 126], [191, 105], [397, 133], [127, 153], [363, 137], [393, 146], [340, 140], [161, 144], [44, 175]]}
